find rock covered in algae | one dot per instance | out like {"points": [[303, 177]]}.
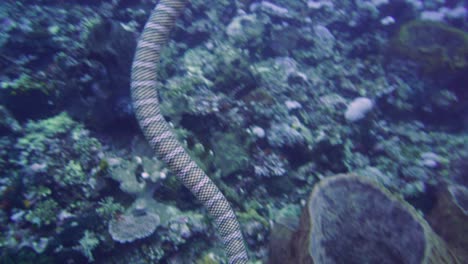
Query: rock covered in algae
{"points": [[449, 218], [351, 220], [439, 47]]}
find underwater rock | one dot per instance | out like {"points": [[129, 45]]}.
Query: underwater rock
{"points": [[449, 218], [460, 170], [284, 135], [230, 153], [284, 39], [269, 165], [279, 248], [436, 46], [246, 30], [351, 220], [283, 228], [110, 45], [324, 42]]}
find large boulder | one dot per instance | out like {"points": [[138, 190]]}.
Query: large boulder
{"points": [[436, 46], [348, 219], [449, 218]]}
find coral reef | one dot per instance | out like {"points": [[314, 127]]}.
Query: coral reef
{"points": [[256, 91]]}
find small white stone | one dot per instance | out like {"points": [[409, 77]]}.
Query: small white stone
{"points": [[64, 215], [430, 163], [302, 202], [388, 20], [258, 131], [430, 159], [358, 109], [138, 160], [145, 175], [291, 105]]}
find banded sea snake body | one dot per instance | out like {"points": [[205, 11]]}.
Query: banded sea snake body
{"points": [[160, 136]]}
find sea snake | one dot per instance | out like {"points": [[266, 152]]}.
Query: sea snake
{"points": [[160, 136]]}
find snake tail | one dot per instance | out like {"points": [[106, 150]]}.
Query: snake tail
{"points": [[162, 139]]}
